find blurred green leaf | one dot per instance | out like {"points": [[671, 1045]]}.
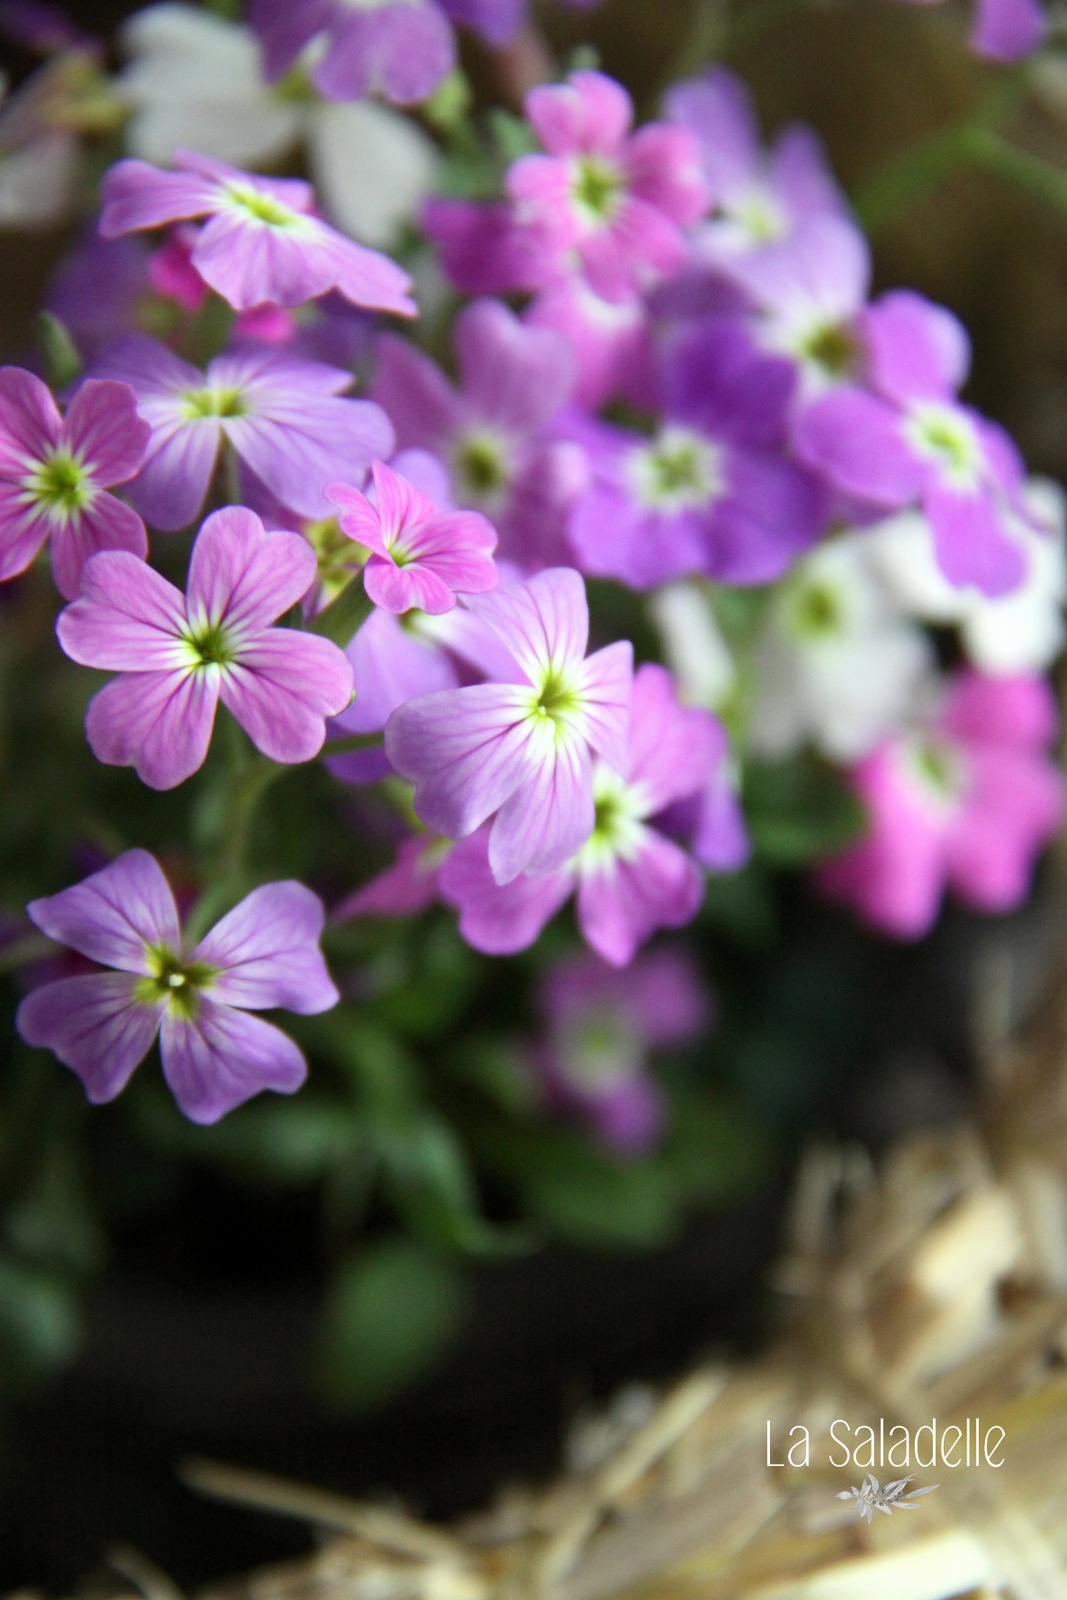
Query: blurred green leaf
{"points": [[278, 1141], [62, 358], [799, 810], [393, 1311], [39, 1322], [585, 1194], [52, 1223]]}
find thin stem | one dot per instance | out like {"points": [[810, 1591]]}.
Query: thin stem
{"points": [[986, 148], [343, 617], [32, 947], [354, 741]]}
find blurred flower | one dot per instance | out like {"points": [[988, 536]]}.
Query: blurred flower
{"points": [[54, 472], [41, 125], [492, 428], [630, 879], [966, 799], [601, 1024], [264, 953], [262, 241], [521, 748], [835, 662], [179, 655], [284, 418], [195, 79], [1022, 631], [421, 558], [398, 48], [1005, 30]]}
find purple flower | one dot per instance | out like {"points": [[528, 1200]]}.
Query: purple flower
{"points": [[284, 418], [264, 953], [601, 1024], [514, 380], [420, 557], [1005, 30], [402, 890], [756, 199], [712, 491], [262, 241], [616, 202], [399, 48], [54, 472], [610, 340], [178, 655], [521, 748], [967, 799], [629, 878], [907, 438]]}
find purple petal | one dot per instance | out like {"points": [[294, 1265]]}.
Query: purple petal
{"points": [[715, 379], [105, 524], [484, 249], [365, 277], [409, 588], [283, 688], [23, 530], [297, 443], [514, 376], [548, 819], [400, 50], [136, 195], [590, 112], [127, 619], [223, 1057], [775, 510], [971, 541], [171, 487], [499, 919], [856, 440], [158, 722], [149, 367], [268, 951], [240, 574], [94, 1026], [622, 905], [721, 840], [402, 890], [606, 681], [249, 262], [1008, 30], [114, 914], [418, 398], [672, 750], [390, 666], [543, 622], [105, 431], [497, 21], [717, 109], [466, 751], [284, 27], [915, 350], [30, 425], [801, 177]]}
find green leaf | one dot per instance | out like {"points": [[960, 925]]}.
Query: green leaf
{"points": [[393, 1311], [53, 1222], [799, 810], [585, 1194], [431, 1183], [285, 1142], [39, 1323], [62, 358]]}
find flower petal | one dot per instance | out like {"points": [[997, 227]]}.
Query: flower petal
{"points": [[136, 195], [268, 951], [128, 618], [114, 914], [29, 423], [221, 1058], [104, 430], [244, 577], [499, 919], [104, 524], [283, 688], [94, 1026], [158, 722], [543, 622], [605, 682], [624, 903], [548, 819]]}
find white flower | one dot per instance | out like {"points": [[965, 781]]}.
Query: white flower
{"points": [[1021, 632], [693, 646], [38, 164], [196, 80], [836, 663], [870, 1498]]}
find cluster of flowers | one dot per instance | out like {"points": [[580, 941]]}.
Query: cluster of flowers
{"points": [[768, 427]]}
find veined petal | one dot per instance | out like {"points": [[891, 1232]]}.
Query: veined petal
{"points": [[283, 688], [298, 444], [104, 524], [220, 1058], [243, 576], [249, 262], [604, 684], [95, 1027], [549, 818], [170, 488], [158, 722], [358, 518], [543, 622], [136, 195], [407, 588], [673, 749], [623, 903], [267, 952], [113, 915], [30, 425], [128, 618], [23, 530], [466, 751], [499, 919], [104, 430]]}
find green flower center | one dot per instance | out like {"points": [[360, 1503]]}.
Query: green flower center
{"points": [[210, 402], [817, 611], [833, 348], [176, 982], [264, 207], [598, 187], [61, 484], [939, 771], [211, 646], [943, 434], [481, 466], [556, 696], [678, 470]]}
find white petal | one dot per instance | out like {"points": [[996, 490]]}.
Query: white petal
{"points": [[373, 167], [695, 649], [37, 181]]}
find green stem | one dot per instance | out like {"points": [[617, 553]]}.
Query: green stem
{"points": [[986, 148], [354, 741], [208, 331], [227, 877], [34, 947], [342, 618]]}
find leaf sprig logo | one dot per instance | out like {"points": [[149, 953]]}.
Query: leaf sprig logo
{"points": [[870, 1498]]}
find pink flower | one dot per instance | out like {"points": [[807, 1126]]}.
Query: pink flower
{"points": [[179, 655], [1005, 30], [629, 878], [54, 472], [615, 202], [521, 748], [420, 557], [264, 953], [965, 801], [262, 241]]}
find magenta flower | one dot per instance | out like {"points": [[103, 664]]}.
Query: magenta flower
{"points": [[179, 655], [908, 438], [601, 1025], [264, 953], [54, 472], [492, 429], [262, 241], [393, 47], [521, 748], [420, 557], [1005, 30], [966, 801], [629, 878], [617, 203], [284, 418]]}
